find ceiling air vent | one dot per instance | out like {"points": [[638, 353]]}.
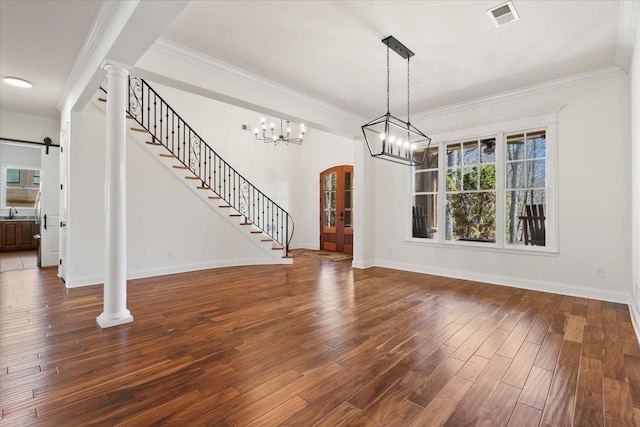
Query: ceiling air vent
{"points": [[503, 14]]}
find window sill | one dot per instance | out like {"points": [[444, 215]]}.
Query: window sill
{"points": [[484, 247]]}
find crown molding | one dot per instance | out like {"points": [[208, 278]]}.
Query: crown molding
{"points": [[548, 86], [182, 53], [628, 19], [107, 24]]}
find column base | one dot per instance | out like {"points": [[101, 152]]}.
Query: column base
{"points": [[106, 321]]}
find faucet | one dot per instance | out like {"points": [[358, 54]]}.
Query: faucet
{"points": [[12, 212]]}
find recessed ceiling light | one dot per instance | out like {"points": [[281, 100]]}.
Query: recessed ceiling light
{"points": [[15, 81], [503, 14]]}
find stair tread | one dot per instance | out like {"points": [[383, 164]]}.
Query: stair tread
{"points": [[166, 155], [102, 99], [246, 223], [214, 197], [256, 232], [180, 167], [191, 177], [201, 187], [266, 240], [139, 130]]}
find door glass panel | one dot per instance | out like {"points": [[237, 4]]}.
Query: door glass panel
{"points": [[329, 193], [347, 219]]}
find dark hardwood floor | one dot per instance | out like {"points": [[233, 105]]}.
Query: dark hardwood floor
{"points": [[313, 343]]}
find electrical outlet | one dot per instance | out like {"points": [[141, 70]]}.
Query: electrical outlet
{"points": [[169, 254], [600, 272]]}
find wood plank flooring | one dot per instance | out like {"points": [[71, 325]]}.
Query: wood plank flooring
{"points": [[313, 343]]}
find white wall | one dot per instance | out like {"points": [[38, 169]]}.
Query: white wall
{"points": [[594, 200], [289, 174], [169, 229], [635, 146]]}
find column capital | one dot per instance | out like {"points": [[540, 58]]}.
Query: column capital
{"points": [[109, 65]]}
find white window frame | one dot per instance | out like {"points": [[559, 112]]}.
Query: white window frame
{"points": [[498, 128], [4, 209]]}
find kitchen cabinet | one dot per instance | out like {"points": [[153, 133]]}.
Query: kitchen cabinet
{"points": [[18, 235]]}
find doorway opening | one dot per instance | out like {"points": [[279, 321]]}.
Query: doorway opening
{"points": [[336, 209]]}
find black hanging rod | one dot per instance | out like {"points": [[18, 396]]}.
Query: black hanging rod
{"points": [[398, 47], [46, 142]]}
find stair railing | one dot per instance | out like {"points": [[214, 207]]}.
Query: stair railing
{"points": [[166, 127]]}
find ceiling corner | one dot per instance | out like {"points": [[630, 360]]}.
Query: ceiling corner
{"points": [[628, 22]]}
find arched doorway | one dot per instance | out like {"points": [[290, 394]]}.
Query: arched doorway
{"points": [[336, 209]]}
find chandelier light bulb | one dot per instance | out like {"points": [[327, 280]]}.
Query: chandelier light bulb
{"points": [[398, 142], [262, 120], [382, 136], [275, 138], [255, 130], [406, 144], [413, 147], [392, 139], [288, 130]]}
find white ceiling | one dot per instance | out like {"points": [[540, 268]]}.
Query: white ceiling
{"points": [[331, 50], [39, 41]]}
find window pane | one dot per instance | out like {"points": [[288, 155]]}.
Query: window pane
{"points": [[424, 216], [430, 160], [13, 176], [327, 199], [22, 187], [470, 153], [347, 199], [347, 219], [327, 182], [515, 147], [454, 155], [470, 178], [536, 145], [535, 174], [454, 180], [348, 184], [333, 200], [426, 182], [524, 223], [488, 150], [325, 221], [487, 177], [471, 216], [332, 219], [515, 175]]}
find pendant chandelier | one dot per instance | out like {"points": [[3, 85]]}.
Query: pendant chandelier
{"points": [[390, 138], [283, 136]]}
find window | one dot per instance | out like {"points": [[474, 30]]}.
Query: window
{"points": [[494, 191], [22, 186], [471, 191], [13, 176], [525, 184], [425, 195]]}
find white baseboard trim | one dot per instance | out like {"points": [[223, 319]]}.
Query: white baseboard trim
{"points": [[362, 264], [635, 319], [77, 282], [514, 282]]}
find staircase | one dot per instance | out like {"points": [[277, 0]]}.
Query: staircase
{"points": [[235, 196]]}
